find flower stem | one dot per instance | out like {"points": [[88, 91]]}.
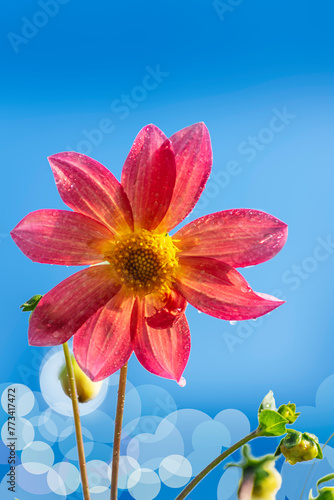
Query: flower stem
{"points": [[118, 431], [184, 493], [77, 423]]}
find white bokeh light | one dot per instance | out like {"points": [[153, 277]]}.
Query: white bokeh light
{"points": [[63, 478], [144, 484], [37, 457], [175, 471], [24, 399]]}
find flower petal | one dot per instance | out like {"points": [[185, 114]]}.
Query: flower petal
{"points": [[238, 237], [103, 344], [219, 290], [61, 237], [193, 156], [167, 314], [62, 311], [148, 177], [88, 187], [162, 352]]}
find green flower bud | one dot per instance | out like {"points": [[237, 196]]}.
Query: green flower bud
{"points": [[267, 482], [86, 389], [299, 447], [260, 480], [289, 412]]}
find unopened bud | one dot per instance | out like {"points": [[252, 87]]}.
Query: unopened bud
{"points": [[260, 480], [289, 412], [267, 482], [299, 447], [86, 389]]}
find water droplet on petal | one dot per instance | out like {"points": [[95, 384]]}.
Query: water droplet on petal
{"points": [[233, 323], [182, 382]]}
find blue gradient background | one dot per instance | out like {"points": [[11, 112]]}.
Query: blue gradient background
{"points": [[230, 73]]}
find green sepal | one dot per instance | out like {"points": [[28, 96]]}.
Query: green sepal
{"points": [[278, 449], [272, 423], [249, 460], [326, 493], [324, 479], [268, 403], [289, 412], [293, 438], [31, 304], [320, 454], [315, 440]]}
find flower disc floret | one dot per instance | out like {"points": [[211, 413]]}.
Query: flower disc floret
{"points": [[145, 262]]}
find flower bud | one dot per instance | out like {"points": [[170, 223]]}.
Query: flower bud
{"points": [[86, 389], [299, 447], [267, 482], [289, 412], [260, 480]]}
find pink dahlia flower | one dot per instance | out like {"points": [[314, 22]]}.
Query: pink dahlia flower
{"points": [[136, 300]]}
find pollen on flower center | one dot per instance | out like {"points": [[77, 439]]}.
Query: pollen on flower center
{"points": [[144, 262]]}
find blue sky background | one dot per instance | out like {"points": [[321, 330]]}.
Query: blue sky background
{"points": [[235, 68]]}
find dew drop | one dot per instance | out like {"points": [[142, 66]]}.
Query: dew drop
{"points": [[233, 323], [182, 382]]}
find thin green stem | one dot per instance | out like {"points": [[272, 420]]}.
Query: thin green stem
{"points": [[184, 493], [77, 423], [118, 431]]}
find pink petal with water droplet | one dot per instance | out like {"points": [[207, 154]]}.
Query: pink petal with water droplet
{"points": [[62, 311], [88, 187], [61, 237], [103, 345], [148, 177], [193, 156], [238, 237], [217, 289]]}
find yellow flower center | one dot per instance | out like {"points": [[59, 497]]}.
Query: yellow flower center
{"points": [[144, 262]]}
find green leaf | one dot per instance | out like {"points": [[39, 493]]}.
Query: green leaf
{"points": [[272, 423], [268, 403], [31, 304]]}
